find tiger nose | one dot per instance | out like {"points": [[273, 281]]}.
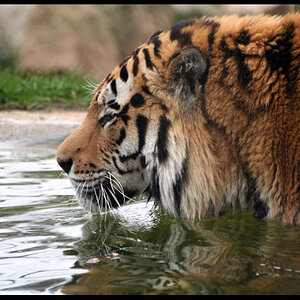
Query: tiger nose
{"points": [[65, 164]]}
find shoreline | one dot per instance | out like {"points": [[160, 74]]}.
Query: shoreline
{"points": [[19, 127]]}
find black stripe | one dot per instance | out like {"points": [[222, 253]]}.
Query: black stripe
{"points": [[243, 37], [155, 40], [107, 161], [164, 107], [143, 162], [211, 38], [125, 119], [135, 67], [209, 22], [162, 139], [181, 179], [260, 206], [114, 122], [211, 35], [146, 90], [141, 123], [120, 171], [124, 158], [137, 100], [124, 73], [225, 70], [153, 36], [279, 54], [124, 110], [103, 152], [123, 114], [122, 136], [279, 57], [108, 78], [113, 87], [154, 187], [149, 63], [124, 61], [183, 38], [136, 52], [244, 74]]}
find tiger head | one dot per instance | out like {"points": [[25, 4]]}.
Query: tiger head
{"points": [[134, 137]]}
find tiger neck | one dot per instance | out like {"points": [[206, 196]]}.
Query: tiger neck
{"points": [[190, 178]]}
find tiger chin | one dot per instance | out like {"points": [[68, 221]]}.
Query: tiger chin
{"points": [[204, 116]]}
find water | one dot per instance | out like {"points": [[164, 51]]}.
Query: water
{"points": [[49, 245]]}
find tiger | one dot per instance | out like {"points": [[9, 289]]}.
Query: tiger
{"points": [[203, 116]]}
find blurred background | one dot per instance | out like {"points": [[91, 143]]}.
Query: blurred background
{"points": [[88, 39]]}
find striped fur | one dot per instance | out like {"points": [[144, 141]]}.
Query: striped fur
{"points": [[204, 115]]}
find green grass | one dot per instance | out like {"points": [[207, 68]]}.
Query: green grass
{"points": [[33, 91]]}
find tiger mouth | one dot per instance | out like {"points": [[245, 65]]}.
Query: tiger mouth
{"points": [[102, 194]]}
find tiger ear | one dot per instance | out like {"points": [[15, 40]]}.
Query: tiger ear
{"points": [[186, 74]]}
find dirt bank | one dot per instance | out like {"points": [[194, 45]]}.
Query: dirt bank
{"points": [[38, 127]]}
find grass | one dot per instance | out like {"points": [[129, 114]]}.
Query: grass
{"points": [[33, 91]]}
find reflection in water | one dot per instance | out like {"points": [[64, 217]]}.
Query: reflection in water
{"points": [[231, 254], [48, 244]]}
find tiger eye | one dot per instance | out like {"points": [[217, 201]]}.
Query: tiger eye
{"points": [[106, 119]]}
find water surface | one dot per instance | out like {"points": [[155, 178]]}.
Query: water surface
{"points": [[49, 245]]}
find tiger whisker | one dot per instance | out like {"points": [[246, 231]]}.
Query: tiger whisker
{"points": [[122, 192], [114, 187], [116, 180], [60, 174], [81, 192], [106, 203], [89, 85], [119, 205], [99, 204], [111, 208], [110, 181], [91, 210], [77, 188]]}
